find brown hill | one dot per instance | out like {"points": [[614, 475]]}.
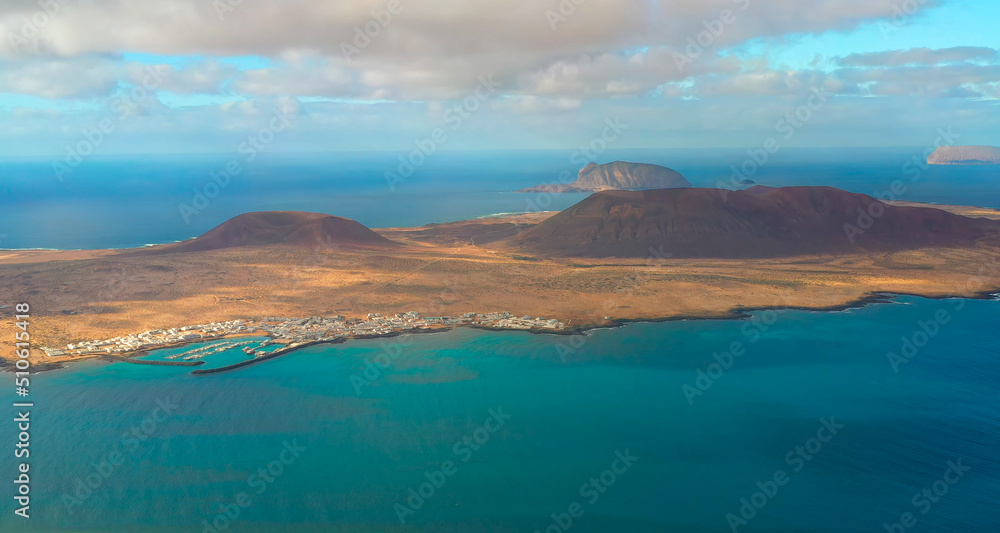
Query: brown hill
{"points": [[756, 223], [282, 227], [617, 176]]}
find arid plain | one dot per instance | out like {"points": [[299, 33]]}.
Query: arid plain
{"points": [[450, 269]]}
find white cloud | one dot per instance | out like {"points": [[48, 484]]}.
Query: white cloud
{"points": [[608, 58], [78, 78], [432, 49], [203, 77], [920, 56], [300, 79]]}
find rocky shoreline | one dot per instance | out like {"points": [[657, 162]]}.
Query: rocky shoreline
{"points": [[740, 313]]}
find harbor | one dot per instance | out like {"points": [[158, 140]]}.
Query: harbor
{"points": [[283, 335]]}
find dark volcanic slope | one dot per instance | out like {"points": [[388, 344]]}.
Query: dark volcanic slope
{"points": [[756, 223], [282, 227]]}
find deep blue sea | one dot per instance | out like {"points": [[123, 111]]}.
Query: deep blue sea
{"points": [[871, 436], [807, 424], [128, 201]]}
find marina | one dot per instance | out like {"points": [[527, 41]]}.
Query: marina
{"points": [[284, 335]]}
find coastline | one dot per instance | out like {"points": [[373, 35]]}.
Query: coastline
{"points": [[113, 296], [737, 314], [744, 313]]}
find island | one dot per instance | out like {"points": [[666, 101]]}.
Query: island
{"points": [[618, 175], [297, 279], [965, 155]]}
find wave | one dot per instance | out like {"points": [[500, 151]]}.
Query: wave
{"points": [[41, 250], [89, 249], [150, 245], [501, 215]]}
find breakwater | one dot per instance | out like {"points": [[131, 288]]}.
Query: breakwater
{"points": [[277, 353], [156, 363]]}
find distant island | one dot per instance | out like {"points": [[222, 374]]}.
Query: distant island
{"points": [[618, 176], [615, 256], [965, 155]]}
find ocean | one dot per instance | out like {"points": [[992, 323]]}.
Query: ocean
{"points": [[882, 418], [130, 201], [531, 427]]}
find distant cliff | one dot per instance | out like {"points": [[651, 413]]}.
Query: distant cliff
{"points": [[965, 155], [619, 176]]}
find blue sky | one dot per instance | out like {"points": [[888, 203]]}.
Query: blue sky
{"points": [[182, 76], [954, 24]]}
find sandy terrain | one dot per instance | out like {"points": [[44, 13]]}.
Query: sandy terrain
{"points": [[77, 296], [967, 211]]}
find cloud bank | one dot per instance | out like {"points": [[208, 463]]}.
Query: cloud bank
{"points": [[386, 67]]}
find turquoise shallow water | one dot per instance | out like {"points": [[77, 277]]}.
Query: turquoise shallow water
{"points": [[622, 390], [216, 360]]}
